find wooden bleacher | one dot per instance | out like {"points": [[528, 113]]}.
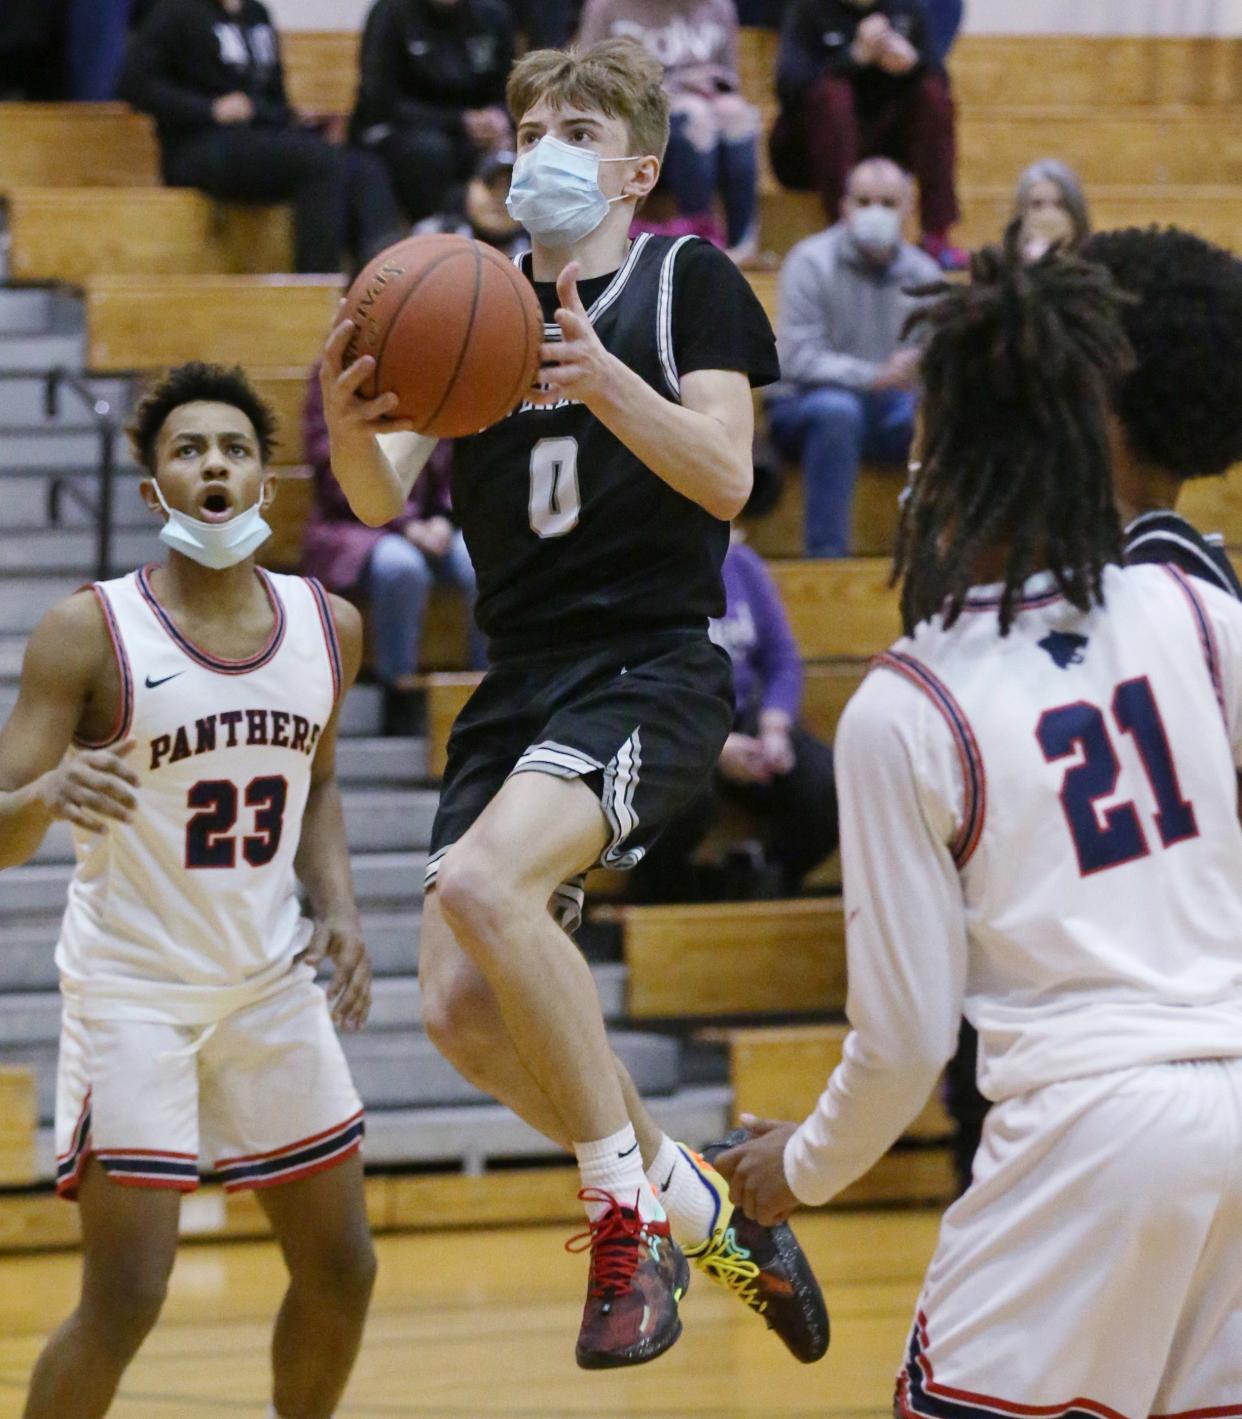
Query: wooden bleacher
{"points": [[18, 1117], [76, 145]]}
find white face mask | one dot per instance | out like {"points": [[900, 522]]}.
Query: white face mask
{"points": [[216, 545], [876, 229], [555, 192]]}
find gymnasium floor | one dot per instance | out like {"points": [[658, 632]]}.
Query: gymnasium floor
{"points": [[481, 1325]]}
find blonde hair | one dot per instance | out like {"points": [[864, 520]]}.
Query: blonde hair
{"points": [[616, 77]]}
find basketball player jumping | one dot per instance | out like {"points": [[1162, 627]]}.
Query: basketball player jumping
{"points": [[1039, 814], [597, 519], [197, 701]]}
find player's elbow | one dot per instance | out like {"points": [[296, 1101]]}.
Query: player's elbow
{"points": [[732, 491], [376, 509]]}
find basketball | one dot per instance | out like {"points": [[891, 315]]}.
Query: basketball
{"points": [[454, 328]]}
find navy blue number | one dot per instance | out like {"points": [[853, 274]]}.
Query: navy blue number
{"points": [[207, 840], [268, 796], [1119, 837], [1137, 714]]}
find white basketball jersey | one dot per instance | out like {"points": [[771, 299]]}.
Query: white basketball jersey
{"points": [[191, 909], [1082, 771]]}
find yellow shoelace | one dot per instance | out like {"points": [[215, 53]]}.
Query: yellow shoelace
{"points": [[733, 1267]]}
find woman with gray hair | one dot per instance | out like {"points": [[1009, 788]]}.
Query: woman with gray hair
{"points": [[1050, 203]]}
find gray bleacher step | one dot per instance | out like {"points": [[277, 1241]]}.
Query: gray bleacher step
{"points": [[35, 446], [394, 879], [26, 498], [472, 1135], [396, 1002], [22, 401], [12, 648], [368, 759], [39, 353], [392, 938], [45, 550], [362, 713], [26, 954], [26, 597], [25, 311], [405, 1070], [376, 820]]}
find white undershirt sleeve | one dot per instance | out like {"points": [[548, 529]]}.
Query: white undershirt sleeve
{"points": [[407, 454], [900, 801]]}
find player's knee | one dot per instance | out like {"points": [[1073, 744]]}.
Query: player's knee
{"points": [[838, 410], [123, 1308], [340, 1273], [473, 895]]}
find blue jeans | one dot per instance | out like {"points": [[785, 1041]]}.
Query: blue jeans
{"points": [[398, 580], [831, 430], [944, 19]]}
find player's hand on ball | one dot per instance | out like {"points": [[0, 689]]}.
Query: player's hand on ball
{"points": [[90, 790], [349, 990], [577, 366], [348, 414], [756, 1172]]}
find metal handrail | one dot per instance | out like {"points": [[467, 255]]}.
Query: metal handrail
{"points": [[108, 425]]}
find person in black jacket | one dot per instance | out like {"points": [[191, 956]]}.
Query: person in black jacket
{"points": [[858, 79], [209, 73], [431, 102]]}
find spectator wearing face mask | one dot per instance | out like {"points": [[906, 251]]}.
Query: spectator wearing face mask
{"points": [[849, 378], [432, 97], [1052, 207], [713, 147], [859, 79], [483, 213]]}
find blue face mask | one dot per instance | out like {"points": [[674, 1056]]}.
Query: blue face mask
{"points": [[555, 192]]}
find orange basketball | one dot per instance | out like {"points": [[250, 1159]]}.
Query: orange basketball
{"points": [[454, 328]]}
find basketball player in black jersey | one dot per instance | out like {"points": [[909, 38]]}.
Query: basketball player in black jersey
{"points": [[597, 518], [1179, 410]]}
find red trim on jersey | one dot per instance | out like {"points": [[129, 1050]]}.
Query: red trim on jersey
{"points": [[974, 777], [125, 710], [987, 1401], [328, 621], [204, 658]]}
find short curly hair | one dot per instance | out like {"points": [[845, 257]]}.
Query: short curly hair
{"points": [[1181, 405], [192, 384]]}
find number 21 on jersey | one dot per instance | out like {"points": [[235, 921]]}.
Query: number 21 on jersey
{"points": [[1109, 838]]}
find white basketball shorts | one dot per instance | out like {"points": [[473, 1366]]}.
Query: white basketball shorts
{"points": [[1094, 1266], [262, 1097]]}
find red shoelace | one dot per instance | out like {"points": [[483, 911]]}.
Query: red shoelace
{"points": [[613, 1238]]}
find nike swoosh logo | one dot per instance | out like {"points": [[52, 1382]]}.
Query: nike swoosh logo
{"points": [[154, 684], [669, 1179], [628, 1151]]}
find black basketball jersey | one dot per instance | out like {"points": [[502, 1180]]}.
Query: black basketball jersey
{"points": [[572, 537], [1164, 536]]}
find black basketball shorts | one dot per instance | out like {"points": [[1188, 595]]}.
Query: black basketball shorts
{"points": [[641, 720]]}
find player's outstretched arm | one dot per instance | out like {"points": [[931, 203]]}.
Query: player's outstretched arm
{"points": [[61, 670], [701, 447], [322, 862], [375, 457]]}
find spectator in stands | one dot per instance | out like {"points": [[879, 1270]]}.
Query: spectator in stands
{"points": [[713, 143], [95, 48], [545, 24], [857, 78], [30, 49], [1051, 205], [849, 377], [484, 214], [944, 19], [393, 567], [771, 766], [431, 101], [209, 73]]}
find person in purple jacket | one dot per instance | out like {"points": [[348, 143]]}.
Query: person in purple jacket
{"points": [[770, 765], [394, 566]]}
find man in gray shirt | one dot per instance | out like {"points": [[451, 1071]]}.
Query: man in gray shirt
{"points": [[849, 381]]}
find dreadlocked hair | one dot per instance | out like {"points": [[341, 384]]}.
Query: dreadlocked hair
{"points": [[1018, 376]]}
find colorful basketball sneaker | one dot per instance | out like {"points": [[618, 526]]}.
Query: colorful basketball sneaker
{"points": [[764, 1267], [638, 1277]]}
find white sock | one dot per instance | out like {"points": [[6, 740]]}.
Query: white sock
{"points": [[614, 1165], [692, 1204]]}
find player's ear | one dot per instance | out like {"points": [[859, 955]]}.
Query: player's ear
{"points": [[146, 491], [643, 178], [267, 493]]}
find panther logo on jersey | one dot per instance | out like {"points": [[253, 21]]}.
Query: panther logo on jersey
{"points": [[1065, 647]]}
